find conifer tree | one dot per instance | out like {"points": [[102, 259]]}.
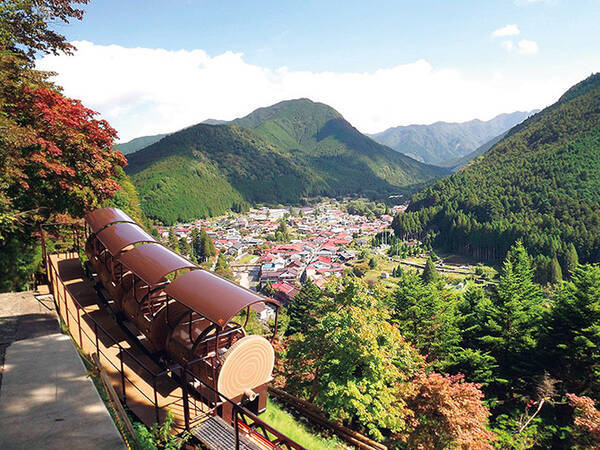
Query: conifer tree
{"points": [[172, 241], [555, 271], [511, 322], [571, 260], [573, 336], [184, 247], [303, 308], [425, 318], [430, 274]]}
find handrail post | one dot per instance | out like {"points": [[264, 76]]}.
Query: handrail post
{"points": [[122, 374], [66, 307], [236, 427], [96, 334], [186, 406], [79, 326], [155, 399]]}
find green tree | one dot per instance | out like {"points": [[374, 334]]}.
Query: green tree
{"points": [[555, 271], [353, 361], [304, 308], [373, 263], [184, 246], [172, 240], [572, 340], [511, 323], [430, 274], [571, 260], [426, 319]]}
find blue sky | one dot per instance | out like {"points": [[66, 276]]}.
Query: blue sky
{"points": [[364, 58]]}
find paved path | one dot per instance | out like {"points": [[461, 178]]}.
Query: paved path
{"points": [[46, 399]]}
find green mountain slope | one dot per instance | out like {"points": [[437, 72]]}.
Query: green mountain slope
{"points": [[346, 160], [458, 164], [443, 143], [540, 183], [279, 154], [138, 143]]}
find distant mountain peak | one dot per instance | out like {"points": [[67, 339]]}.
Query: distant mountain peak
{"points": [[441, 143]]}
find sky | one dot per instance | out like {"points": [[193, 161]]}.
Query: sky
{"points": [[152, 66]]}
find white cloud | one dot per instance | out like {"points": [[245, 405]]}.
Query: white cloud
{"points": [[508, 30], [143, 91], [527, 47]]}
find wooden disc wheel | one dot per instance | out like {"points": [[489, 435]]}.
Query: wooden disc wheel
{"points": [[248, 363]]}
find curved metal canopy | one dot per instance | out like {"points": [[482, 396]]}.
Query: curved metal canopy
{"points": [[152, 262], [211, 296], [100, 218], [116, 237]]}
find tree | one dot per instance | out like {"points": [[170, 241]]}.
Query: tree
{"points": [[56, 159], [449, 413], [172, 240], [571, 260], [426, 319], [586, 431], [572, 339], [184, 247], [555, 271], [304, 308], [373, 263], [511, 322], [430, 274], [24, 26], [360, 269], [202, 245], [353, 361], [222, 268]]}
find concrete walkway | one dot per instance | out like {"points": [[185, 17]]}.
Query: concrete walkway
{"points": [[46, 398]]}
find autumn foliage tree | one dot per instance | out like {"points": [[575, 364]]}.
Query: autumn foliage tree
{"points": [[448, 413], [56, 158], [586, 421]]}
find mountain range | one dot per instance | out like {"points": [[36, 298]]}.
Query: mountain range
{"points": [[279, 154], [446, 144], [539, 183]]}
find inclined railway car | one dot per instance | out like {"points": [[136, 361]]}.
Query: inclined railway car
{"points": [[185, 312]]}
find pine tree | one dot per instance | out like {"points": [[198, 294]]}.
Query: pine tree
{"points": [[555, 271], [571, 260], [511, 321], [430, 274], [184, 247], [207, 247], [425, 318], [573, 336], [195, 244], [302, 309], [172, 241]]}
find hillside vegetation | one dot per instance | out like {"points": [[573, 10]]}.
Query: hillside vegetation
{"points": [[539, 184], [139, 143], [279, 154], [444, 143]]}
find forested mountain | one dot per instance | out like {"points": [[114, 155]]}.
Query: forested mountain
{"points": [[138, 143], [462, 162], [443, 143], [539, 183], [278, 154]]}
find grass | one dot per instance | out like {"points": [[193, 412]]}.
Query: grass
{"points": [[246, 259], [283, 421]]}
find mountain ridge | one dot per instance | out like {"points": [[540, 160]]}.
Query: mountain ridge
{"points": [[441, 142]]}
